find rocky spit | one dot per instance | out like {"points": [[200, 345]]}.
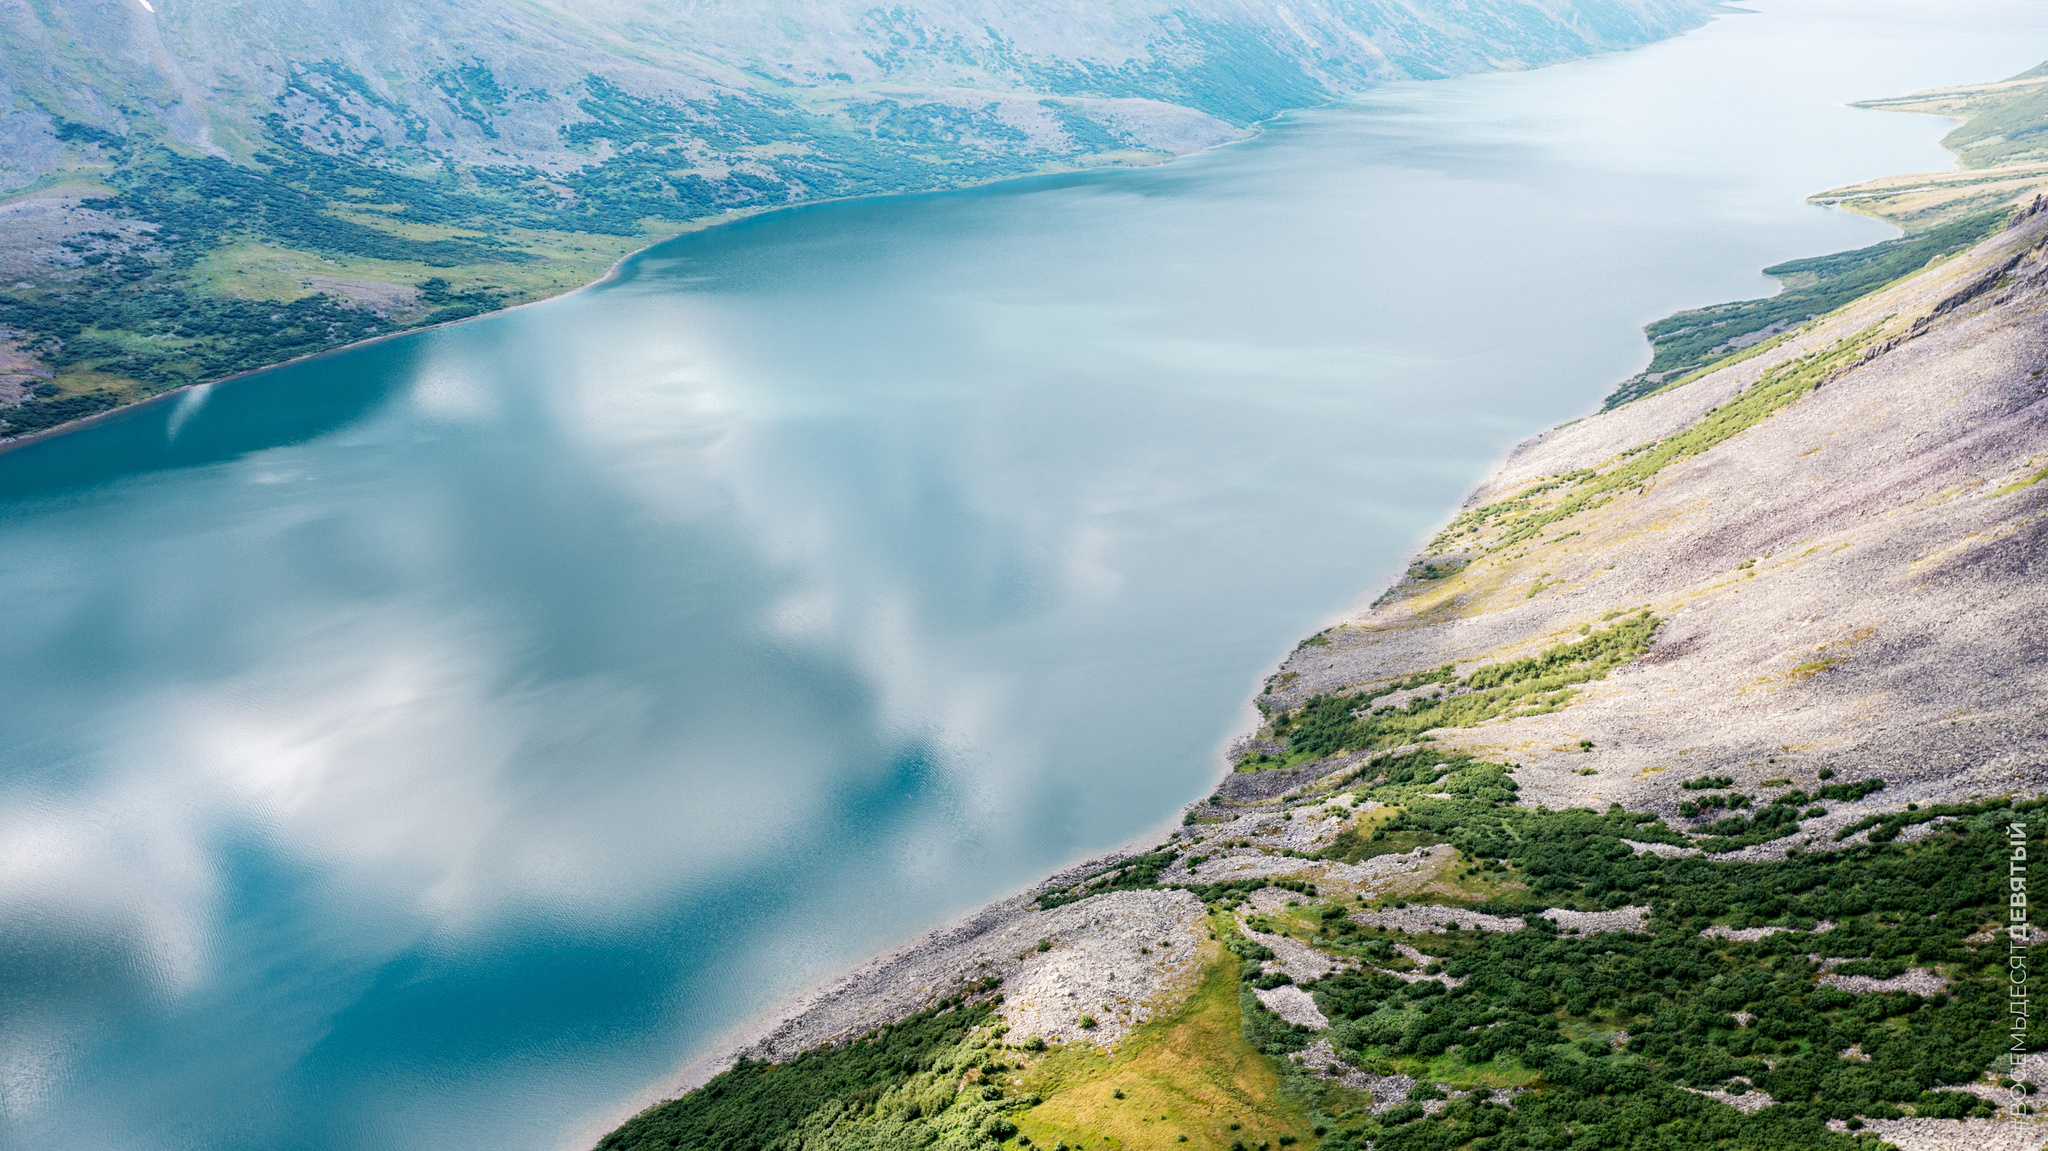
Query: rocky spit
{"points": [[1302, 963], [1752, 934], [1294, 1005], [1321, 1058], [1113, 960], [1918, 980], [1748, 1102], [1372, 878]]}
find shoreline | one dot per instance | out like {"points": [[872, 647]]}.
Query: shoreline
{"points": [[1955, 306], [781, 1029], [693, 227], [782, 1026]]}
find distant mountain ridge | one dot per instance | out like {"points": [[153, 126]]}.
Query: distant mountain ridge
{"points": [[192, 188], [493, 84]]}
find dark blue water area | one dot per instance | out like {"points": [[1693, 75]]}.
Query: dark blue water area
{"points": [[440, 743]]}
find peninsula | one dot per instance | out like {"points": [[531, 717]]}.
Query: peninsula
{"points": [[1670, 799]]}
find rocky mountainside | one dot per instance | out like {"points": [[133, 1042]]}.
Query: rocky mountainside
{"points": [[1842, 536], [1668, 800], [191, 188]]}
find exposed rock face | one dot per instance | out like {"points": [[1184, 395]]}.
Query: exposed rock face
{"points": [[1955, 1135], [1854, 582], [1430, 920]]}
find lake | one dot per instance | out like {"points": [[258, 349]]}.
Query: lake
{"points": [[438, 744]]}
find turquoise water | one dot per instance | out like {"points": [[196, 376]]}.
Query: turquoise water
{"points": [[437, 744]]}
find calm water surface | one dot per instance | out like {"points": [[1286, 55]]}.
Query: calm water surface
{"points": [[438, 744]]}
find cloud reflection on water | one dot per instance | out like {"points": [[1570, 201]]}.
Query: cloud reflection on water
{"points": [[497, 714]]}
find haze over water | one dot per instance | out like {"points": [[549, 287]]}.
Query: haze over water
{"points": [[438, 744]]}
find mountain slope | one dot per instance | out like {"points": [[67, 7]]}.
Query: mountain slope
{"points": [[203, 187], [1665, 802], [1842, 536]]}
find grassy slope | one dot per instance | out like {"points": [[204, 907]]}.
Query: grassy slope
{"points": [[947, 1077], [1601, 1042], [1192, 1073]]}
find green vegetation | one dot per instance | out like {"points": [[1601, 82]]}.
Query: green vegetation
{"points": [[1694, 807], [1192, 1076], [1551, 1010], [148, 329], [1132, 874], [44, 409], [1848, 791], [250, 264], [1775, 821], [900, 1085], [2027, 482], [1606, 1041], [2000, 146], [1524, 515], [2010, 129], [1328, 724], [1686, 342]]}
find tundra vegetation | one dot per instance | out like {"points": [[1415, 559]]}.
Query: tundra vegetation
{"points": [[1328, 724], [1538, 1037]]}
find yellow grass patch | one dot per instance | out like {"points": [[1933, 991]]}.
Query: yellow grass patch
{"points": [[1193, 1067]]}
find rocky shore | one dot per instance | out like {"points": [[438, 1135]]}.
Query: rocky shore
{"points": [[1849, 589]]}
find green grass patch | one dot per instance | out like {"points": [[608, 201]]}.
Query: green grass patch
{"points": [[1194, 1066], [2016, 485], [1328, 724], [1526, 514], [2008, 128]]}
